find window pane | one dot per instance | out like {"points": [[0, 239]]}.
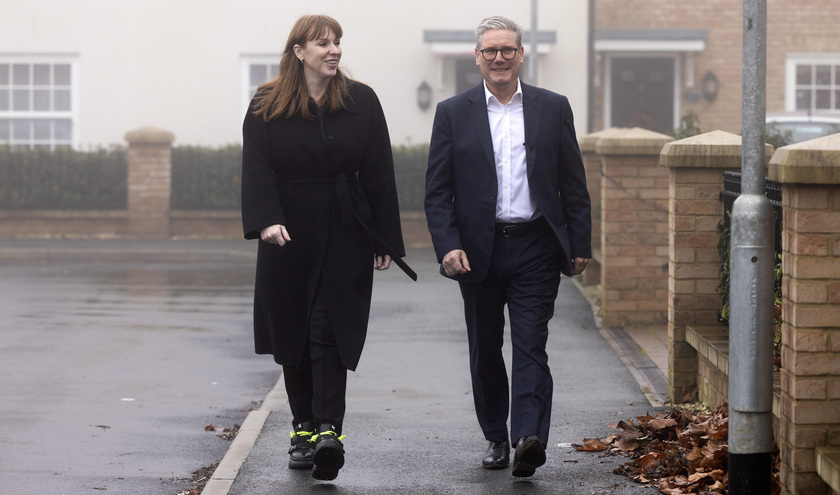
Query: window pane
{"points": [[41, 74], [824, 74], [258, 74], [20, 74], [837, 99], [5, 130], [63, 129], [20, 100], [837, 75], [274, 71], [61, 73], [803, 74], [41, 100], [4, 100], [803, 99], [5, 70], [42, 129], [21, 130], [823, 99], [62, 100]]}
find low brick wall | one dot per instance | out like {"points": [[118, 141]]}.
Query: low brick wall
{"points": [[810, 378]]}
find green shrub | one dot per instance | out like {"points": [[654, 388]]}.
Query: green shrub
{"points": [[203, 178], [206, 178], [40, 179], [410, 168]]}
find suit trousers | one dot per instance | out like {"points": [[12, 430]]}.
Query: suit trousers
{"points": [[524, 274], [317, 385]]}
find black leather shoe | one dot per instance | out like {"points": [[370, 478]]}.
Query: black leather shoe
{"points": [[329, 454], [498, 456], [302, 449], [529, 455]]}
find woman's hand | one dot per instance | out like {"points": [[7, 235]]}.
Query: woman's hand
{"points": [[383, 262], [275, 234]]}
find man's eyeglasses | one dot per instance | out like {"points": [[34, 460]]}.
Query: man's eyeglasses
{"points": [[489, 54]]}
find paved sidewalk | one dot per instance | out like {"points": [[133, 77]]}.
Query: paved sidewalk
{"points": [[410, 422]]}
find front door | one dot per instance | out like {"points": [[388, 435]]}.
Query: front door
{"points": [[643, 93]]}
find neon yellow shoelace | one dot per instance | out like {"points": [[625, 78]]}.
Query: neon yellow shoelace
{"points": [[315, 437], [301, 433]]}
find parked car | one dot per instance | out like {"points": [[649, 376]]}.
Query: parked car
{"points": [[794, 127]]}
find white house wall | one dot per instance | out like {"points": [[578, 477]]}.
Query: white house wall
{"points": [[176, 64]]}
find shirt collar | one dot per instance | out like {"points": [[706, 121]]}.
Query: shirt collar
{"points": [[488, 94]]}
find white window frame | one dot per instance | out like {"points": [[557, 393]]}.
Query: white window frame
{"points": [[247, 91], [818, 58], [32, 115]]}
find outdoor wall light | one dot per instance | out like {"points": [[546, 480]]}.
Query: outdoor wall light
{"points": [[424, 96], [709, 86]]}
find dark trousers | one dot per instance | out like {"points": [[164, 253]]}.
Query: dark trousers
{"points": [[524, 274], [317, 385]]}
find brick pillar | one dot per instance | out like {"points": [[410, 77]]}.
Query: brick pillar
{"points": [[696, 167], [149, 182], [634, 228], [810, 375], [592, 165]]}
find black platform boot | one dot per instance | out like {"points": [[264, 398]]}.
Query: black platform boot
{"points": [[303, 447], [329, 453]]}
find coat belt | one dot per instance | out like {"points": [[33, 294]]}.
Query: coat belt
{"points": [[348, 214]]}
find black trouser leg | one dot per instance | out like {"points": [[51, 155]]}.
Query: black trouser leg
{"points": [[316, 387], [329, 376], [298, 380]]}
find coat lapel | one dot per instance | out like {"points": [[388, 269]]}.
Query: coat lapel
{"points": [[477, 111], [532, 112]]}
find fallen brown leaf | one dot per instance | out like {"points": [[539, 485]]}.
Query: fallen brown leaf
{"points": [[590, 445]]}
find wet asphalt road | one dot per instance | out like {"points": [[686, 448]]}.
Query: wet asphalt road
{"points": [[114, 356]]}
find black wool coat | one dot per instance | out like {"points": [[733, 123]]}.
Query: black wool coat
{"points": [[319, 178]]}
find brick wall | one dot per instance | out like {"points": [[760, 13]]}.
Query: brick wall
{"points": [[592, 164], [149, 180], [810, 376], [634, 228], [696, 166]]}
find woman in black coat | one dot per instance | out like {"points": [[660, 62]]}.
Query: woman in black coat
{"points": [[318, 191]]}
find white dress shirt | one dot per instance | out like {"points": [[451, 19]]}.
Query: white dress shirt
{"points": [[507, 128]]}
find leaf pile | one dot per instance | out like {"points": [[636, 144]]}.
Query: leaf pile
{"points": [[679, 451]]}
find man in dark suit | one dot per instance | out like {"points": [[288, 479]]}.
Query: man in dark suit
{"points": [[508, 211]]}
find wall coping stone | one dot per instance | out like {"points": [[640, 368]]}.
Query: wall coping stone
{"points": [[715, 149], [816, 161], [634, 141], [150, 135], [588, 142]]}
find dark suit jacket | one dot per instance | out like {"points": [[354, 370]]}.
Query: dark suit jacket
{"points": [[461, 184]]}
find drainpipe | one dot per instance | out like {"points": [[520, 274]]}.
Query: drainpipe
{"points": [[751, 290]]}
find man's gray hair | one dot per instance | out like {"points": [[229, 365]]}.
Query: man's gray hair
{"points": [[497, 22]]}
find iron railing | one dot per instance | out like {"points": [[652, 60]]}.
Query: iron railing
{"points": [[732, 189]]}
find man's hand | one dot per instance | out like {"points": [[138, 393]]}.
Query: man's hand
{"points": [[455, 262], [275, 234], [578, 265]]}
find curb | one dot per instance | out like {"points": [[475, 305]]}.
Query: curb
{"points": [[225, 474]]}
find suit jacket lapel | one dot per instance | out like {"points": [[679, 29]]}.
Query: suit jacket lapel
{"points": [[477, 112], [532, 111]]}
